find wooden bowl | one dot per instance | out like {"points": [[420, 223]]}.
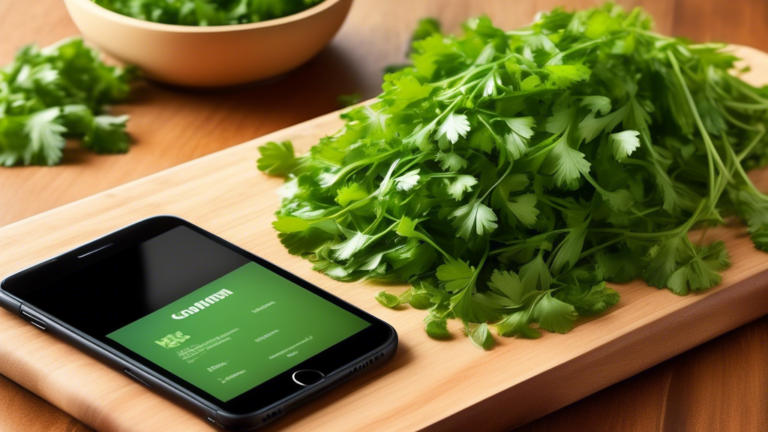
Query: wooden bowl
{"points": [[211, 56]]}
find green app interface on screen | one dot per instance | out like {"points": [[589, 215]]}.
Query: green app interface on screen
{"points": [[239, 331]]}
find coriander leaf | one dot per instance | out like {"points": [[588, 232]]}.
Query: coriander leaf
{"points": [[540, 42], [620, 200], [480, 336], [597, 104], [591, 126], [619, 266], [407, 90], [662, 262], [13, 140], [414, 258], [350, 193], [407, 227], [554, 315], [535, 274], [307, 241], [570, 249], [564, 76], [517, 324], [276, 158], [524, 208], [45, 138], [388, 300], [437, 329], [599, 24], [702, 270], [107, 135], [752, 207], [530, 83], [424, 28], [346, 249], [521, 131], [490, 86], [420, 301], [508, 284], [376, 121], [589, 301], [566, 164], [465, 305], [408, 180], [420, 137], [515, 182], [451, 161], [474, 217], [289, 224], [455, 275], [760, 238], [624, 144], [453, 126], [460, 185], [559, 121]]}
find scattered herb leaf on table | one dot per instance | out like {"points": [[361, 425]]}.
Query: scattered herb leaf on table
{"points": [[56, 92], [508, 175]]}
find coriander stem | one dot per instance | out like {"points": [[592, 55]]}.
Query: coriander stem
{"points": [[426, 238], [737, 122], [744, 153], [692, 105], [745, 88], [746, 106], [470, 71], [498, 181], [597, 248], [572, 50]]}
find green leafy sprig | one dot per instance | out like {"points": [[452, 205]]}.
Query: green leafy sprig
{"points": [[509, 175], [49, 94]]}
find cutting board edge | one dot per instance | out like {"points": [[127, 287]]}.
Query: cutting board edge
{"points": [[658, 337]]}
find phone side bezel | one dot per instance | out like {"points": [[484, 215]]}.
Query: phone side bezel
{"points": [[220, 413]]}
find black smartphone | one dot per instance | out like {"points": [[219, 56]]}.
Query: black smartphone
{"points": [[209, 325]]}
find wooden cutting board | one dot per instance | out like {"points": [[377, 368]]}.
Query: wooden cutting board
{"points": [[430, 384]]}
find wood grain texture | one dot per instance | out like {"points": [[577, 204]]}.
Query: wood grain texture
{"points": [[22, 410], [718, 386], [429, 384]]}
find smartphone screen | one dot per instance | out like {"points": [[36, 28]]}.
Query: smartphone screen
{"points": [[200, 311]]}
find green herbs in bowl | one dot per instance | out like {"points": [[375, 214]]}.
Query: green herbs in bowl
{"points": [[206, 12], [210, 43]]}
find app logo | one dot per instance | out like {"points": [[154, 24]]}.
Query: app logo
{"points": [[172, 340], [202, 304]]}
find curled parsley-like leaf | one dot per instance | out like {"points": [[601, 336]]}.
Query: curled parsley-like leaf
{"points": [[59, 92], [507, 176]]}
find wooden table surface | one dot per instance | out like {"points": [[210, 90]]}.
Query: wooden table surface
{"points": [[718, 386]]}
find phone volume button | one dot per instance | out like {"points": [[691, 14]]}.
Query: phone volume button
{"points": [[35, 321], [136, 378]]}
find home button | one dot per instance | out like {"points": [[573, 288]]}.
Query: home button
{"points": [[307, 377]]}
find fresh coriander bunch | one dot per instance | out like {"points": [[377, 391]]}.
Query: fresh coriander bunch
{"points": [[509, 175], [56, 92], [206, 12]]}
